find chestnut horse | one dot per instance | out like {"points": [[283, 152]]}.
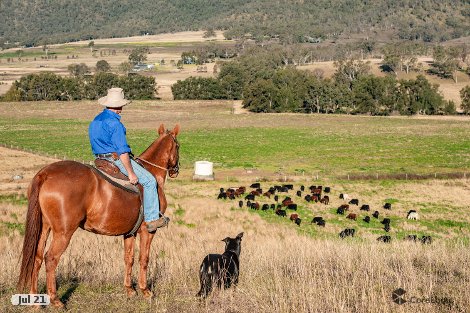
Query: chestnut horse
{"points": [[66, 195]]}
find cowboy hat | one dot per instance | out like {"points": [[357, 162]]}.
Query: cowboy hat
{"points": [[114, 99]]}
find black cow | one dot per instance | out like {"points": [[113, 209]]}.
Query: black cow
{"points": [[317, 219], [222, 195], [354, 201], [281, 212], [340, 211], [276, 198], [302, 188], [411, 238], [240, 203], [248, 203], [265, 207], [255, 185], [376, 214], [289, 186], [321, 223], [384, 239], [327, 189], [273, 206], [366, 219], [255, 206], [386, 221], [250, 197], [308, 198], [365, 207], [388, 206], [298, 221], [284, 189], [387, 227], [347, 232], [292, 206], [299, 193]]}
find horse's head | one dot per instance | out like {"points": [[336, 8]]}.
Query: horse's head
{"points": [[164, 152], [173, 148]]}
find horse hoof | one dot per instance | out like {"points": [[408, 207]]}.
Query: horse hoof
{"points": [[130, 292], [57, 304], [147, 293]]}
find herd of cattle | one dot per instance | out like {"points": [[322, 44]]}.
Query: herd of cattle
{"points": [[282, 195]]}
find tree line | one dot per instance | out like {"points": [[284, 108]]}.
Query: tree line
{"points": [[266, 82], [51, 87]]}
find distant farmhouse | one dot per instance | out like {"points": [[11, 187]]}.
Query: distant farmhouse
{"points": [[142, 67]]}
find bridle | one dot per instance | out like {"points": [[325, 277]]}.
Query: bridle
{"points": [[174, 170]]}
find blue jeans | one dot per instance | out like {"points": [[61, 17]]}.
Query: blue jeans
{"points": [[147, 180]]}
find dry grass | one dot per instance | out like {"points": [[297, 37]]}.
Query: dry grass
{"points": [[281, 270]]}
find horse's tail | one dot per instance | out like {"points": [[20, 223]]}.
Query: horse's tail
{"points": [[32, 233]]}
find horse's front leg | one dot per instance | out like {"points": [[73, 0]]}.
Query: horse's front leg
{"points": [[129, 243], [145, 241]]}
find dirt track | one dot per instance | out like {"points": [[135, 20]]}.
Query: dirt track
{"points": [[17, 168]]}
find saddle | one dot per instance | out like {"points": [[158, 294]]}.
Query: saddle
{"points": [[113, 175]]}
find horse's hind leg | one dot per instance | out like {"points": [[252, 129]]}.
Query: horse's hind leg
{"points": [[145, 241], [129, 243], [59, 243], [39, 257]]}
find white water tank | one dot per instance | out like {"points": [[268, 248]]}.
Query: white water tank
{"points": [[203, 170]]}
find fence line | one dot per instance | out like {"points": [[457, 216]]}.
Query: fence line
{"points": [[287, 177]]}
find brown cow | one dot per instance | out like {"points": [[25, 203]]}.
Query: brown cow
{"points": [[325, 200], [352, 216], [294, 216]]}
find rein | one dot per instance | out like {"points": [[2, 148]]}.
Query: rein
{"points": [[171, 171], [154, 165]]}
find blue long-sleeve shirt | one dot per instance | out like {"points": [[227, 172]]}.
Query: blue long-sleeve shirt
{"points": [[107, 134]]}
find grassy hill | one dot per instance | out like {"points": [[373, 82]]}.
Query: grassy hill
{"points": [[38, 22]]}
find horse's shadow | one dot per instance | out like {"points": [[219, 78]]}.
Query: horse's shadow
{"points": [[69, 283]]}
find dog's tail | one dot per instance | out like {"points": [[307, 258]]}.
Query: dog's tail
{"points": [[205, 278]]}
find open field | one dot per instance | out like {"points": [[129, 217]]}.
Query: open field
{"points": [[325, 145], [167, 47], [284, 268]]}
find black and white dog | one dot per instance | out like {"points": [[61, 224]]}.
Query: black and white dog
{"points": [[221, 269]]}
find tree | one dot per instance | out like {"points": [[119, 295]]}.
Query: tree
{"points": [[199, 88], [419, 97], [209, 33], [261, 96], [78, 70], [465, 97], [45, 49], [347, 71], [102, 66], [91, 45], [138, 87], [138, 55], [125, 67]]}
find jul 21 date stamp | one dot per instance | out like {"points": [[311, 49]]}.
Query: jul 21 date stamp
{"points": [[30, 299]]}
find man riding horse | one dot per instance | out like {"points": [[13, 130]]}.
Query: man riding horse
{"points": [[67, 195], [108, 141]]}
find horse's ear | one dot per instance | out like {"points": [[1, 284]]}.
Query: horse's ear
{"points": [[226, 240], [239, 236], [161, 129], [176, 130]]}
